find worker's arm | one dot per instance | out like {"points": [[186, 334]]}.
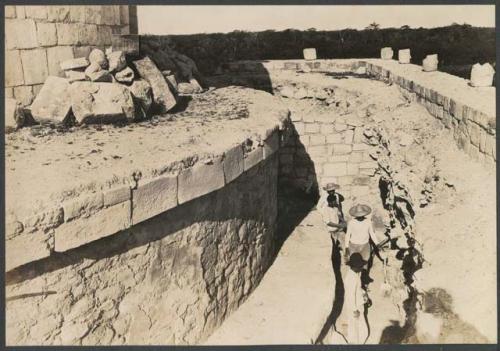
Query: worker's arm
{"points": [[347, 237], [373, 236]]}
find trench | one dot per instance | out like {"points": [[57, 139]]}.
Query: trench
{"points": [[394, 218]]}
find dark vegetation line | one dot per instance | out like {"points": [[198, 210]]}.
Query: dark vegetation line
{"points": [[458, 46]]}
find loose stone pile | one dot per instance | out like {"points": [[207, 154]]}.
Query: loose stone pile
{"points": [[116, 86]]}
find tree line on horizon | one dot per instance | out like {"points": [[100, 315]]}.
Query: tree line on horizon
{"points": [[458, 46]]}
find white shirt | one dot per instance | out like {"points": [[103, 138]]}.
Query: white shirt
{"points": [[360, 232]]}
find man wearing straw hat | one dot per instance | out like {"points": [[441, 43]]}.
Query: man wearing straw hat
{"points": [[330, 207], [359, 232]]}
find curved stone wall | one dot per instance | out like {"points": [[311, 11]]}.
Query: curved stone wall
{"points": [[162, 260]]}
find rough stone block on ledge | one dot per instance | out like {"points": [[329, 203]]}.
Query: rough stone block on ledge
{"points": [[117, 195], [81, 231], [25, 248], [199, 180], [233, 163], [154, 197], [253, 158], [163, 97], [52, 103], [101, 102]]}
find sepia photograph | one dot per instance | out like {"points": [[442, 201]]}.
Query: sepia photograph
{"points": [[248, 174]]}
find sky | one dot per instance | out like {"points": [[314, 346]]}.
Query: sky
{"points": [[188, 19]]}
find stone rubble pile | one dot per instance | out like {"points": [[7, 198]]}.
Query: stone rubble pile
{"points": [[106, 87]]}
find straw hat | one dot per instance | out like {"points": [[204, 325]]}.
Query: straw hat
{"points": [[331, 186], [360, 210], [356, 261]]}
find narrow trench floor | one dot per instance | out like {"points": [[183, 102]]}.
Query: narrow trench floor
{"points": [[295, 297]]}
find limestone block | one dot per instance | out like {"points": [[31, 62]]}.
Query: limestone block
{"points": [[46, 34], [386, 53], [341, 149], [98, 57], [77, 13], [456, 109], [335, 169], [305, 140], [317, 150], [82, 206], [348, 136], [67, 33], [124, 14], [38, 12], [309, 54], [24, 95], [20, 12], [368, 164], [88, 34], [233, 163], [117, 195], [352, 169], [163, 97], [356, 157], [58, 13], [404, 56], [116, 60], [482, 140], [340, 127], [490, 144], [154, 197], [253, 158], [85, 230], [52, 102], [474, 131], [10, 11], [107, 15], [142, 94], [299, 127], [125, 76], [191, 87], [74, 76], [360, 190], [9, 93], [104, 36], [360, 147], [338, 158], [317, 139], [26, 248], [116, 15], [101, 102], [14, 115], [55, 56], [20, 34], [271, 144], [74, 64], [326, 129], [200, 179], [92, 14], [13, 68], [482, 75], [100, 75], [312, 128]]}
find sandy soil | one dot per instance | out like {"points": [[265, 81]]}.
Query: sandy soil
{"points": [[45, 163], [456, 228]]}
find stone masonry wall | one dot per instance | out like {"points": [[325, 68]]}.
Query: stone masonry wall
{"points": [[38, 38], [469, 112], [470, 116], [162, 262]]}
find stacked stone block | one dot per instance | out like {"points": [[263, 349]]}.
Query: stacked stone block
{"points": [[474, 129], [39, 38], [90, 217], [318, 152]]}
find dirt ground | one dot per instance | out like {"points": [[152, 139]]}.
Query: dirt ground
{"points": [[50, 164], [454, 200]]}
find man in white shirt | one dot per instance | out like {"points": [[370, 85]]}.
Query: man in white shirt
{"points": [[359, 232], [330, 208]]}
